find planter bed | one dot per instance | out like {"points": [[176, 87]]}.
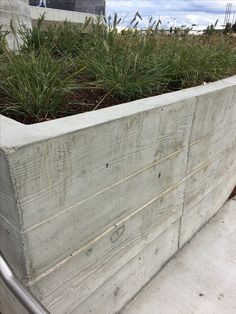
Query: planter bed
{"points": [[93, 205]]}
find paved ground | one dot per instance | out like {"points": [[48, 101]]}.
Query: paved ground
{"points": [[201, 279]]}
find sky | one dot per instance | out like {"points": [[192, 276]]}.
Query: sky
{"points": [[186, 12]]}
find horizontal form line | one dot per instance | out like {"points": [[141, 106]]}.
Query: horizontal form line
{"points": [[119, 223]]}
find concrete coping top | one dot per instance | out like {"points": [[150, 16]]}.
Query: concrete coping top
{"points": [[14, 135]]}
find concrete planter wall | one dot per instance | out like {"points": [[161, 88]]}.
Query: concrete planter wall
{"points": [[53, 16], [94, 204], [18, 12]]}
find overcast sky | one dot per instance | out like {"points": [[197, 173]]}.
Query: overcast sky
{"points": [[203, 12]]}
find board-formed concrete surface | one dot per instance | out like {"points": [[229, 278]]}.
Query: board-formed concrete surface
{"points": [[17, 12], [94, 204], [201, 279], [53, 16]]}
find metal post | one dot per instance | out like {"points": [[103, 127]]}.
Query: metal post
{"points": [[23, 295]]}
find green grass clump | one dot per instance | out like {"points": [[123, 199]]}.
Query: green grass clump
{"points": [[127, 65], [192, 61], [124, 66], [34, 84], [60, 39], [134, 65]]}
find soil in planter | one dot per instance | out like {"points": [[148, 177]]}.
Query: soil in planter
{"points": [[79, 102]]}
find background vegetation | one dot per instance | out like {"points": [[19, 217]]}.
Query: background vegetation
{"points": [[54, 67]]}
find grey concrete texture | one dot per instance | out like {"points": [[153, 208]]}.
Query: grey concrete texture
{"points": [[53, 16], [8, 302], [202, 277], [95, 198], [91, 6], [16, 12], [87, 6]]}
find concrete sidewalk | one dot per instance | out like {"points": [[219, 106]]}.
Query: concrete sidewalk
{"points": [[201, 279]]}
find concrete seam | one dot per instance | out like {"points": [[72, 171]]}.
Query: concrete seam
{"points": [[107, 188], [169, 260], [114, 226], [128, 177], [149, 244], [186, 172], [8, 222]]}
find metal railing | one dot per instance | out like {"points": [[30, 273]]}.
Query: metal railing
{"points": [[23, 295]]}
